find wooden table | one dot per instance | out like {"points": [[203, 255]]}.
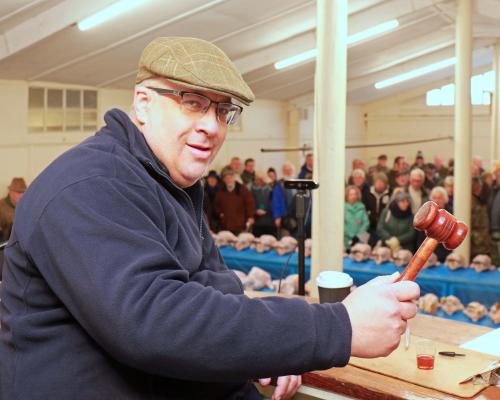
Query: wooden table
{"points": [[362, 384]]}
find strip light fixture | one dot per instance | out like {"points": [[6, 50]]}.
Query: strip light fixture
{"points": [[108, 13], [357, 37], [416, 73]]}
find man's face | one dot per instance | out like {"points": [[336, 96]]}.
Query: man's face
{"points": [[382, 162], [287, 170], [250, 166], [235, 164], [184, 142], [15, 197], [309, 161], [439, 199], [379, 185], [229, 181], [416, 182]]}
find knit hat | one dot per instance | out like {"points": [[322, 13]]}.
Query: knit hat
{"points": [[17, 185], [401, 196], [194, 63]]}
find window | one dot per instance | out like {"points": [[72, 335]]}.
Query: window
{"points": [[61, 110], [481, 87]]}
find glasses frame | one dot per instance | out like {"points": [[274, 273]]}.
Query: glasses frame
{"points": [[181, 93]]}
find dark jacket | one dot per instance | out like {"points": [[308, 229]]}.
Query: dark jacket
{"points": [[394, 222], [113, 289], [375, 203], [234, 208]]}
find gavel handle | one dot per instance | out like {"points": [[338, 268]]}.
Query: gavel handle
{"points": [[418, 260]]}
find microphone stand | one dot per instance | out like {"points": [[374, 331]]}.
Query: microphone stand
{"points": [[301, 236]]}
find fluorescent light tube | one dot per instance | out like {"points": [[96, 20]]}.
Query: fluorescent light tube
{"points": [[373, 31], [307, 55], [108, 13], [416, 73], [357, 37]]}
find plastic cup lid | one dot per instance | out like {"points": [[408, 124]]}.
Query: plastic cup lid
{"points": [[334, 280]]}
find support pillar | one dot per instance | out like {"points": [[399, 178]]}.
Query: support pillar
{"points": [[463, 121], [495, 107], [329, 136]]}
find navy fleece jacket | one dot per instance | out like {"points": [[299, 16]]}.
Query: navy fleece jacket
{"points": [[113, 289]]}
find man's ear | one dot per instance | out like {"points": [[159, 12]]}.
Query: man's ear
{"points": [[142, 103]]}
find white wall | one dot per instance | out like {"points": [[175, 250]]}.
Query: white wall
{"points": [[263, 125], [354, 128], [27, 154], [399, 120]]}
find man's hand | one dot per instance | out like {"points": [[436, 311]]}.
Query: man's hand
{"points": [[286, 386], [378, 312], [260, 212]]}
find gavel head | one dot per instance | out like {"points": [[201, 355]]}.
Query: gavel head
{"points": [[439, 224]]}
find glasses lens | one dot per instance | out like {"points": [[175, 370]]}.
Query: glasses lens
{"points": [[228, 113], [195, 102]]}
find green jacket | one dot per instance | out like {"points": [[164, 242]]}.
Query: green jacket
{"points": [[355, 221], [402, 228]]}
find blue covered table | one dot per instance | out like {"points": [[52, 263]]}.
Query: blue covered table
{"points": [[467, 284]]}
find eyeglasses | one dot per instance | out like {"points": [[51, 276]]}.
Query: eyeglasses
{"points": [[227, 113]]}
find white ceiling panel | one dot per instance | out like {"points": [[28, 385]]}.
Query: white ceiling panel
{"points": [[39, 40]]}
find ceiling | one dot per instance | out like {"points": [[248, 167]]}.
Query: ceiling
{"points": [[39, 40]]}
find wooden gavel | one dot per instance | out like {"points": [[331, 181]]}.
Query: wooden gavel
{"points": [[440, 227]]}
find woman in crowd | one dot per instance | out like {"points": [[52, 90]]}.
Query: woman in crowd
{"points": [[355, 216], [395, 226]]}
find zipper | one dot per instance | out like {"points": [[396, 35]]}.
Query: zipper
{"points": [[152, 167]]}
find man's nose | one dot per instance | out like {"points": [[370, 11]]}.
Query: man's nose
{"points": [[209, 122]]}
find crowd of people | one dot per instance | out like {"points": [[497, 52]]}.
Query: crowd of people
{"points": [[380, 201]]}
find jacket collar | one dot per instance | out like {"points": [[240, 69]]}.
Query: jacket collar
{"points": [[125, 132]]}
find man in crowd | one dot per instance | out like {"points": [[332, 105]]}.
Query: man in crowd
{"points": [[248, 174], [235, 166], [379, 167], [113, 287], [306, 171], [234, 204], [398, 166], [416, 189], [8, 205]]}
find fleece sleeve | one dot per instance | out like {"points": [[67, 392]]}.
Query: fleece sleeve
{"points": [[104, 254]]}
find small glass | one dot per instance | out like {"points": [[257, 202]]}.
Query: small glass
{"points": [[426, 352]]}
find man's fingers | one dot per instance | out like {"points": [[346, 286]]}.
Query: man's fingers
{"points": [[281, 388], [265, 381], [384, 279], [408, 310], [406, 290]]}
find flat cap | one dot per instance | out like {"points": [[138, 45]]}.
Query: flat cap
{"points": [[194, 63]]}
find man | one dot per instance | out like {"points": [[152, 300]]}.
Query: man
{"points": [[379, 167], [8, 205], [397, 167], [235, 166], [378, 199], [248, 174], [234, 205], [113, 287], [306, 171], [416, 189]]}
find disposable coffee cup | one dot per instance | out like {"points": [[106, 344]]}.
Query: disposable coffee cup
{"points": [[333, 286]]}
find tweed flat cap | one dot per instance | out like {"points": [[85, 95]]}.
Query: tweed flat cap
{"points": [[194, 63]]}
